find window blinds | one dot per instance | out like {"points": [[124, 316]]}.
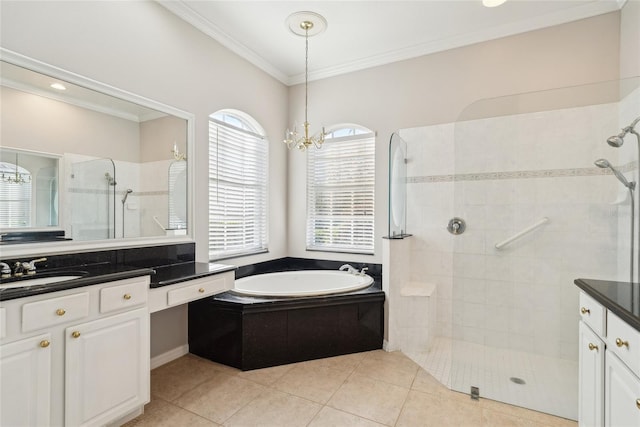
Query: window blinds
{"points": [[238, 162], [340, 195], [15, 205]]}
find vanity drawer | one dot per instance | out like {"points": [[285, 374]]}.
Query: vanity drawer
{"points": [[129, 294], [196, 291], [593, 314], [624, 341], [53, 311]]}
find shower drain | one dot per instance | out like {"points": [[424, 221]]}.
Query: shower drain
{"points": [[517, 380]]}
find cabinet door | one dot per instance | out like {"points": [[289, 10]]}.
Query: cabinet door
{"points": [[591, 377], [622, 394], [106, 368], [25, 382]]}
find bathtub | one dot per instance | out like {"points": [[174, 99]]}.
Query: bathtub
{"points": [[301, 283]]}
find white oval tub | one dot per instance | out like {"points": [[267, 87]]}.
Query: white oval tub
{"points": [[301, 283]]}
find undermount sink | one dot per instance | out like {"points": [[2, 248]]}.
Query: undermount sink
{"points": [[42, 280]]}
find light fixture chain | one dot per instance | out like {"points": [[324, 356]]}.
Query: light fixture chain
{"points": [[306, 72]]}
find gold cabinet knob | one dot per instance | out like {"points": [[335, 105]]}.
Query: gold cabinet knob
{"points": [[60, 312], [75, 334], [127, 296], [201, 290], [584, 310], [621, 343], [592, 347], [638, 403], [44, 343]]}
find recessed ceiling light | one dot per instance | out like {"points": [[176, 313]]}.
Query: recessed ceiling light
{"points": [[492, 3], [58, 86]]}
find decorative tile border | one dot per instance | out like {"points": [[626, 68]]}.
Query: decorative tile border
{"points": [[544, 173], [134, 194]]}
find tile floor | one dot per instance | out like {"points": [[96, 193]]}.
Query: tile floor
{"points": [[374, 388]]}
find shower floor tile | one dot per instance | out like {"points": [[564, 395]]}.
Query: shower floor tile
{"points": [[550, 384]]}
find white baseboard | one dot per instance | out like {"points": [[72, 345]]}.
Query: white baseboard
{"points": [[168, 356]]}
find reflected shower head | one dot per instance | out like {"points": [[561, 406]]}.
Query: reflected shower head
{"points": [[604, 163], [126, 194], [618, 140]]}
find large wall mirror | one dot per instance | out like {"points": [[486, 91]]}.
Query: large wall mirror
{"points": [[87, 160]]}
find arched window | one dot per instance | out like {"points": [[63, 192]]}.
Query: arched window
{"points": [[238, 172], [15, 196], [340, 191]]}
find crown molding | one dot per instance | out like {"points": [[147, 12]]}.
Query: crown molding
{"points": [[587, 10], [184, 12]]}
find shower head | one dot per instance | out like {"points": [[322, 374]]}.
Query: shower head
{"points": [[604, 163], [126, 194], [618, 140]]}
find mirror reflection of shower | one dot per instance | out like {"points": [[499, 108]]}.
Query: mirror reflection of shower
{"points": [[631, 186], [125, 195]]}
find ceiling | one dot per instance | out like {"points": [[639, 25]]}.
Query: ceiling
{"points": [[364, 34]]}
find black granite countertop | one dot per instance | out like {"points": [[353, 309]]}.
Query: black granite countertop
{"points": [[176, 273], [622, 298], [93, 274]]}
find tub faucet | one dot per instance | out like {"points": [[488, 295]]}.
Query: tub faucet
{"points": [[349, 269]]}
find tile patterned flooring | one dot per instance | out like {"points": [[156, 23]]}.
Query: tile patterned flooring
{"points": [[551, 383], [374, 388]]}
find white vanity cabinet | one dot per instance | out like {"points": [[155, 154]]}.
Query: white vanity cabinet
{"points": [[25, 382], [591, 377], [609, 368], [75, 357]]}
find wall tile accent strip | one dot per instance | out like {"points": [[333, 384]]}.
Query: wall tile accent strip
{"points": [[544, 173]]}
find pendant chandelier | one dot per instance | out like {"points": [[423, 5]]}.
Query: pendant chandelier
{"points": [[307, 24], [15, 177]]}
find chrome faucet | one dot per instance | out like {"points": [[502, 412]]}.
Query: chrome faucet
{"points": [[363, 271], [5, 273], [30, 266], [348, 268]]}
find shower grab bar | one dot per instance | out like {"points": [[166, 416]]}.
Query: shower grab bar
{"points": [[155, 218], [527, 230]]}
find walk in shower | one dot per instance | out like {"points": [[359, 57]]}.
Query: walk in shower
{"points": [[519, 171]]}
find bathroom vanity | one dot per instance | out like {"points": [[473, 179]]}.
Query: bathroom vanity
{"points": [[609, 356], [77, 352]]}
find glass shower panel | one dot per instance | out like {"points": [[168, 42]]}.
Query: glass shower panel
{"points": [[92, 198], [539, 214], [397, 187]]}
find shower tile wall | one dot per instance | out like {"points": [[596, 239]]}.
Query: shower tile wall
{"points": [[154, 198], [501, 175]]}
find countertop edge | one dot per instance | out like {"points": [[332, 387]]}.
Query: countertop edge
{"points": [[616, 309], [27, 291]]}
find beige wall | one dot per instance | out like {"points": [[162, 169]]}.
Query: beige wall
{"points": [[158, 136], [32, 122], [436, 88], [630, 39], [142, 48]]}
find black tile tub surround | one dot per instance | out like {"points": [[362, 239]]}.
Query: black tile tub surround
{"points": [[251, 332], [621, 298]]}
